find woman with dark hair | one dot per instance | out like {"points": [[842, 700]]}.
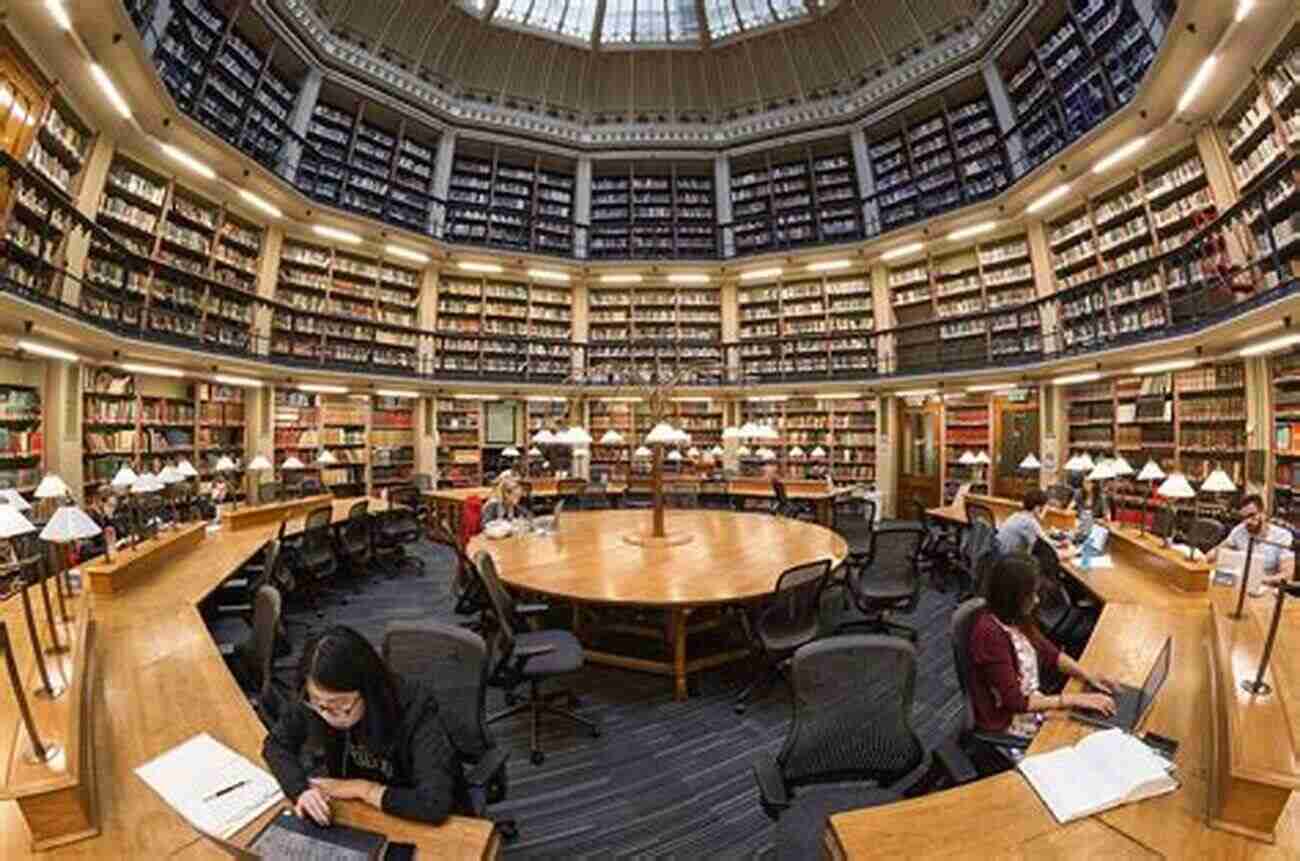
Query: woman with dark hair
{"points": [[357, 731], [1007, 650], [1090, 501]]}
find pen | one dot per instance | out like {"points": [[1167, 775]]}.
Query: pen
{"points": [[220, 792]]}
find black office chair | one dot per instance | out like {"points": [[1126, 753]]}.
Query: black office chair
{"points": [[892, 584], [570, 491], [317, 560], [990, 753], [639, 493], [1062, 618], [978, 512], [852, 722], [1205, 534], [528, 657], [976, 551], [682, 494], [310, 487], [787, 507], [399, 526], [471, 599], [595, 497], [455, 663], [254, 658], [786, 621], [268, 492], [356, 549]]}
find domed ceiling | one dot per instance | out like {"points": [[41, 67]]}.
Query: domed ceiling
{"points": [[655, 61]]}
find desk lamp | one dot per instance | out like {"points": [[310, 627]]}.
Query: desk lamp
{"points": [[1218, 482], [1176, 486], [290, 463], [1150, 473], [223, 468], [121, 485], [258, 464], [68, 524], [170, 477], [188, 476], [982, 461], [51, 487], [1101, 473], [144, 484], [40, 752], [14, 525]]}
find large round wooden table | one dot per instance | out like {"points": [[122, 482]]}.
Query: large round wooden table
{"points": [[732, 558]]}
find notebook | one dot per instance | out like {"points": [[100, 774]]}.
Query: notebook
{"points": [[1104, 770]]}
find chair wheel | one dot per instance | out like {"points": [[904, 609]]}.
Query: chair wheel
{"points": [[538, 757], [595, 732], [511, 699], [740, 708]]}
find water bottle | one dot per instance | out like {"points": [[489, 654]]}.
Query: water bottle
{"points": [[1086, 554]]}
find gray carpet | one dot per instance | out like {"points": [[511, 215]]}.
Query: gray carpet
{"points": [[666, 779]]}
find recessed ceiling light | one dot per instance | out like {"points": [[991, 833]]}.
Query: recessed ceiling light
{"points": [[903, 251], [828, 265], [406, 253], [1197, 83], [474, 266], [625, 278], [1161, 367], [548, 275], [45, 350], [181, 157], [992, 387], [465, 397], [246, 382], [1270, 346], [1119, 155], [757, 274], [336, 234], [155, 370], [1072, 379], [973, 230], [1048, 199], [261, 203], [110, 91], [688, 278], [59, 14], [322, 388], [396, 393], [916, 393]]}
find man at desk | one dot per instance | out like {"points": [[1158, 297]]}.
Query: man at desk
{"points": [[1019, 532], [1272, 542]]}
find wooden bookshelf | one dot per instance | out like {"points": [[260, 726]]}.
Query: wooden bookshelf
{"points": [[653, 210], [297, 429], [345, 433], [657, 321], [510, 198], [614, 462], [22, 437], [392, 441], [967, 427], [844, 428], [1284, 371], [807, 326], [536, 312], [222, 428], [460, 455]]}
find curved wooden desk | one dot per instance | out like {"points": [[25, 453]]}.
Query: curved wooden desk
{"points": [[1236, 758], [733, 558], [160, 679]]}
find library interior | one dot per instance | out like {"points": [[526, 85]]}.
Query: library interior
{"points": [[570, 429]]}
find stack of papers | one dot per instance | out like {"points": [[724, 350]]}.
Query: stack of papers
{"points": [[215, 789]]}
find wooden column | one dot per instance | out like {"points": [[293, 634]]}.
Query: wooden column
{"points": [[886, 459], [93, 177], [1044, 283], [882, 313], [61, 423], [268, 271]]}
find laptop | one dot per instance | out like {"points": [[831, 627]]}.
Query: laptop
{"points": [[1132, 704]]}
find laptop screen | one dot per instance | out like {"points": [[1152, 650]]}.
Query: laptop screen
{"points": [[1156, 678]]}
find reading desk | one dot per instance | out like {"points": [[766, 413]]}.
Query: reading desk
{"points": [[160, 679], [1237, 758]]}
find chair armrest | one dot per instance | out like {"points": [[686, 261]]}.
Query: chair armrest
{"points": [[524, 654], [771, 786], [999, 739], [954, 761], [485, 770], [531, 609]]}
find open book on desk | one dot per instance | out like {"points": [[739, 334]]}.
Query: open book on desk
{"points": [[1102, 771]]}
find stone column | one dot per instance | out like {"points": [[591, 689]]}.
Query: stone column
{"points": [[722, 204], [582, 208], [93, 179], [1005, 114], [866, 182], [446, 157], [300, 119]]}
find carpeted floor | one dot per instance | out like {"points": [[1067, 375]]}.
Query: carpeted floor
{"points": [[666, 779]]}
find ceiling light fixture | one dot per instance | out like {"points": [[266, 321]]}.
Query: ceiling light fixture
{"points": [[322, 389], [1243, 9], [407, 254], [1072, 379], [916, 393], [828, 265], [466, 397], [110, 91], [688, 278], [1048, 199], [1195, 86], [181, 157], [261, 203], [758, 274], [40, 349], [475, 266], [246, 382], [973, 230], [625, 278], [903, 251], [839, 396], [548, 275], [155, 370], [59, 14], [336, 234], [1161, 367], [1269, 346], [992, 387], [1119, 155], [396, 393]]}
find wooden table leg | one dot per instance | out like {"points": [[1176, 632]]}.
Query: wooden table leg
{"points": [[679, 653]]}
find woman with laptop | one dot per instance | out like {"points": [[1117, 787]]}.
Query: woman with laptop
{"points": [[1007, 652], [506, 501], [356, 731]]}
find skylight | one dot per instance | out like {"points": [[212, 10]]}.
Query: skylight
{"points": [[647, 22]]}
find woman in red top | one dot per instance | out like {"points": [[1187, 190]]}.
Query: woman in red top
{"points": [[1007, 650]]}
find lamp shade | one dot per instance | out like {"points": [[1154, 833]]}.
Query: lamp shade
{"points": [[259, 462], [967, 459], [15, 499], [743, 451], [796, 452], [13, 523], [69, 523], [544, 437], [748, 430], [766, 454], [642, 451], [1121, 466], [124, 479], [1176, 486], [145, 482], [1085, 462], [51, 487], [692, 452], [510, 451], [170, 475], [534, 452], [291, 462], [327, 457], [982, 458], [767, 432], [732, 432], [186, 469], [662, 434], [1030, 462], [224, 464], [818, 452], [1151, 472], [577, 435], [1218, 482], [674, 455], [611, 437], [717, 451], [1102, 471]]}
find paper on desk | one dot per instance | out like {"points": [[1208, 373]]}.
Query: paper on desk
{"points": [[189, 776], [1102, 561]]}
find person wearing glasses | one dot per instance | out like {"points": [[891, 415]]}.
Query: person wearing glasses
{"points": [[357, 731], [1273, 546]]}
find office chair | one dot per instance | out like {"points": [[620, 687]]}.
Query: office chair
{"points": [[595, 497], [891, 585], [682, 494], [455, 663], [268, 492], [640, 493], [787, 620], [1205, 534], [787, 507], [255, 656], [975, 551], [354, 543], [528, 657], [317, 561], [989, 753], [852, 722], [570, 491], [978, 512], [310, 487], [1062, 618], [854, 519], [397, 527], [234, 597], [471, 600], [714, 496]]}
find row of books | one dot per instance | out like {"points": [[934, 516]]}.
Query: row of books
{"points": [[1212, 408], [21, 442], [119, 441], [1214, 377], [20, 404]]}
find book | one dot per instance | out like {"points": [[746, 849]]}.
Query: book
{"points": [[1102, 771]]}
